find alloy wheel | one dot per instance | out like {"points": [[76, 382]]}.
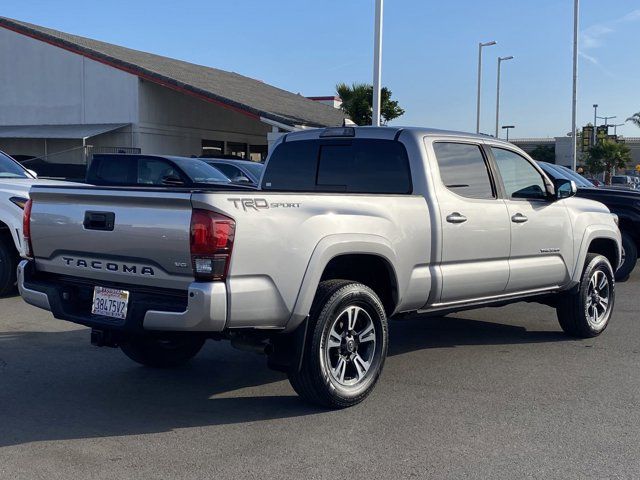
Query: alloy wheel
{"points": [[597, 304], [350, 347]]}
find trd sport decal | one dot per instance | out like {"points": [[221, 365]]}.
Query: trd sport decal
{"points": [[258, 204]]}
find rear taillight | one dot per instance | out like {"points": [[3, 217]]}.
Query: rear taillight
{"points": [[211, 244], [26, 229]]}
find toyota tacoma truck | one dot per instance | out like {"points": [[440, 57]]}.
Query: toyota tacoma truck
{"points": [[350, 226]]}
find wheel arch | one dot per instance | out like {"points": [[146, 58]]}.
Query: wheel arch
{"points": [[352, 257], [603, 241]]}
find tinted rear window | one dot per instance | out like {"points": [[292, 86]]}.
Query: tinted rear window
{"points": [[112, 171], [353, 166]]}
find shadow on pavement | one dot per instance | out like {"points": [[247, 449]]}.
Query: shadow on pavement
{"points": [[55, 386]]}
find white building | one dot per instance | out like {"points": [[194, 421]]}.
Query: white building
{"points": [[63, 96]]}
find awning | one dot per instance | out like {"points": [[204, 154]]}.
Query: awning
{"points": [[76, 132]]}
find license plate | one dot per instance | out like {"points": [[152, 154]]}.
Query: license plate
{"points": [[110, 302]]}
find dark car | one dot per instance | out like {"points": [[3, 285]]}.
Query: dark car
{"points": [[623, 202], [239, 171], [153, 171]]}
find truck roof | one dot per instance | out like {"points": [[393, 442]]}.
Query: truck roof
{"points": [[383, 133]]}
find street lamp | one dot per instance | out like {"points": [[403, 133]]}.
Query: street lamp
{"points": [[480, 45], [615, 127], [507, 128], [500, 60], [606, 120], [377, 64], [595, 121], [574, 98]]}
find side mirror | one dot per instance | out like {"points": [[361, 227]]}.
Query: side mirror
{"points": [[564, 188], [241, 179], [172, 180], [35, 175]]}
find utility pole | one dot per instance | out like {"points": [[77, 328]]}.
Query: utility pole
{"points": [[377, 64]]}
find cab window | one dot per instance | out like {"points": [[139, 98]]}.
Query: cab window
{"points": [[521, 179]]}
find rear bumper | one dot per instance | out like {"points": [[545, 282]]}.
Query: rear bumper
{"points": [[202, 308]]}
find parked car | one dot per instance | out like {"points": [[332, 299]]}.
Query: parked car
{"points": [[623, 202], [15, 182], [239, 171], [623, 181], [595, 181], [153, 171], [350, 227]]}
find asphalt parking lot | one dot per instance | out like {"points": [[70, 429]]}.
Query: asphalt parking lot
{"points": [[494, 393]]}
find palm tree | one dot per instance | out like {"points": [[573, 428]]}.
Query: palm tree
{"points": [[357, 101], [635, 119]]}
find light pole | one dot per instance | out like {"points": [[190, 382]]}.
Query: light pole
{"points": [[615, 127], [507, 128], [606, 120], [480, 45], [574, 99], [377, 64], [500, 60], [595, 121]]}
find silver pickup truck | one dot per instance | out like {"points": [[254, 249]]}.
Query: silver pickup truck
{"points": [[349, 227]]}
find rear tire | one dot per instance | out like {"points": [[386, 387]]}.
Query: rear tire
{"points": [[162, 351], [345, 348], [586, 312], [630, 257], [8, 264]]}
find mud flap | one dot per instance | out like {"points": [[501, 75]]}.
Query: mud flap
{"points": [[288, 349]]}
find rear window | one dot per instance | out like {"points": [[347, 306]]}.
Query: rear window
{"points": [[353, 166], [112, 171]]}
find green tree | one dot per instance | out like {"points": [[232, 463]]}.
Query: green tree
{"points": [[544, 153], [635, 119], [607, 156], [357, 101]]}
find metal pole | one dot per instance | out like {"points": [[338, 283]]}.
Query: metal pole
{"points": [[508, 134], [480, 45], [498, 97], [377, 64], [595, 121], [574, 100], [500, 60], [479, 82]]}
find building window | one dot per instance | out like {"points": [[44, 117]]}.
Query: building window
{"points": [[212, 148], [257, 153], [237, 149]]}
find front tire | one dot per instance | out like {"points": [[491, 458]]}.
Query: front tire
{"points": [[630, 257], [162, 351], [346, 345], [586, 312]]}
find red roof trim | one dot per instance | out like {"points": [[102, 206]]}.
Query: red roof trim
{"points": [[133, 71]]}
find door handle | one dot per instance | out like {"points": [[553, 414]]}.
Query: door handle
{"points": [[456, 217], [99, 220], [519, 218]]}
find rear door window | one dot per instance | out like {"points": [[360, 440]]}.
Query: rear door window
{"points": [[463, 169]]}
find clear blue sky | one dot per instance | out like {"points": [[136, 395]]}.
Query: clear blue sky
{"points": [[430, 50]]}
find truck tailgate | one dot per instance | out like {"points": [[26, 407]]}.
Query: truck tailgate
{"points": [[123, 236]]}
